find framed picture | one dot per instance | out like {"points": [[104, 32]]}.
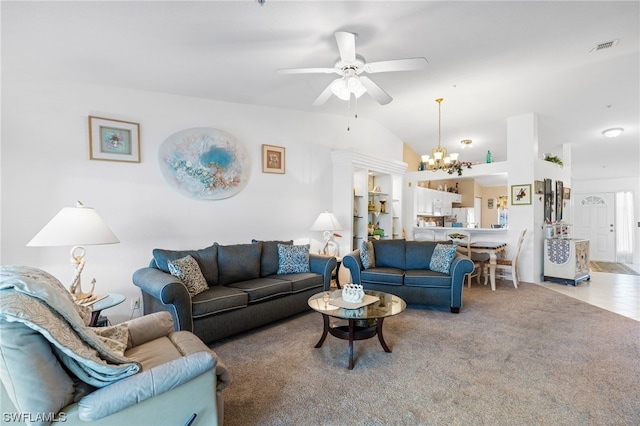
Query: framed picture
{"points": [[114, 140], [539, 186], [490, 203], [559, 194], [520, 194], [272, 159], [566, 193]]}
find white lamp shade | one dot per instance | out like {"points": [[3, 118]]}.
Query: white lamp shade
{"points": [[326, 222], [74, 226]]}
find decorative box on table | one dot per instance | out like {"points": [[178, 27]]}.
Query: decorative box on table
{"points": [[566, 260]]}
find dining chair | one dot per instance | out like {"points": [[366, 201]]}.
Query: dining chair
{"points": [[463, 240], [424, 235], [509, 267]]}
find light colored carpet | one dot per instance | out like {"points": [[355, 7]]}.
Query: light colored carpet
{"points": [[527, 356], [611, 267]]}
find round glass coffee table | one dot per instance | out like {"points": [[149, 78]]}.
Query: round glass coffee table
{"points": [[363, 322]]}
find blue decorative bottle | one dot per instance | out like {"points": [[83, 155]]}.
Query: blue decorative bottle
{"points": [[488, 156]]}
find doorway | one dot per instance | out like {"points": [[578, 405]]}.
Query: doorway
{"points": [[595, 221]]}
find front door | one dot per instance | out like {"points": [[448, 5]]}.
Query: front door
{"points": [[595, 220]]}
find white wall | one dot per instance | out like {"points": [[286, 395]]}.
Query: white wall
{"points": [[46, 166]]}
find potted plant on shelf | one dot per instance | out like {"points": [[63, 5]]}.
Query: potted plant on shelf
{"points": [[553, 159]]}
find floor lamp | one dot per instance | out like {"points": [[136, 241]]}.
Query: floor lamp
{"points": [[76, 226]]}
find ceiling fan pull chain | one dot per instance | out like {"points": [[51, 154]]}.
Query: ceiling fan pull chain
{"points": [[349, 114], [355, 107]]}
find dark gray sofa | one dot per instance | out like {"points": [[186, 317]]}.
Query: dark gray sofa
{"points": [[402, 268], [244, 291]]}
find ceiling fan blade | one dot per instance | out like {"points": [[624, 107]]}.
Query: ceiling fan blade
{"points": [[409, 64], [375, 91], [306, 70], [346, 45], [326, 94]]}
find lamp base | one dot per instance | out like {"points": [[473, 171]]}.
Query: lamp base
{"points": [[77, 259]]}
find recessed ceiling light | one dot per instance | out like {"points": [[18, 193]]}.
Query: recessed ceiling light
{"points": [[614, 132]]}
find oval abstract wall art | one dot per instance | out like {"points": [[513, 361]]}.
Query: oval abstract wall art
{"points": [[205, 163]]}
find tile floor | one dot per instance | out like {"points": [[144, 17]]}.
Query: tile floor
{"points": [[614, 292]]}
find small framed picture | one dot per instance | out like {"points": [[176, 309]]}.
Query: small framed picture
{"points": [[566, 193], [539, 186], [490, 203], [520, 194], [114, 140], [273, 159]]}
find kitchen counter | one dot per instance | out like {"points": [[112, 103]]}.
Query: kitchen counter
{"points": [[489, 231]]}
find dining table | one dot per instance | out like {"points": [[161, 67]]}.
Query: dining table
{"points": [[493, 249]]}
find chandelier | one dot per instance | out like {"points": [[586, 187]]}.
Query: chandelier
{"points": [[440, 159]]}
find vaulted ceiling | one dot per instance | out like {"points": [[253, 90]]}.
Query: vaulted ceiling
{"points": [[488, 60]]}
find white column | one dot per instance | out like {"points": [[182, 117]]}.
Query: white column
{"points": [[522, 153]]}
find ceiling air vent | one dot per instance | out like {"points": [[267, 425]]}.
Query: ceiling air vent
{"points": [[605, 45]]}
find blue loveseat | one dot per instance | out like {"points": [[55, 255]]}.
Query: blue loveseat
{"points": [[244, 289], [403, 268]]}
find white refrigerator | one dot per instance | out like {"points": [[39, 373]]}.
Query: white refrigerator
{"points": [[466, 216]]}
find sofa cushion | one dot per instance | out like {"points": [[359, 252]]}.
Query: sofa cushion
{"points": [[367, 255], [293, 259], [378, 275], [263, 288], [27, 363], [188, 271], [442, 257], [418, 254], [426, 278], [390, 253], [218, 299], [269, 256], [301, 282], [207, 259], [238, 262]]}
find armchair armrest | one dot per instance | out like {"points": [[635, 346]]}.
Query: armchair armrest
{"points": [[149, 327], [353, 262], [140, 387], [460, 267], [169, 292], [323, 265]]}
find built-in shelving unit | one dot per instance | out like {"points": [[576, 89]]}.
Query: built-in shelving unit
{"points": [[358, 182]]}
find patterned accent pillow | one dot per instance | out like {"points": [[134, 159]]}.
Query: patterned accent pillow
{"points": [[442, 257], [367, 255], [188, 271], [115, 337], [293, 259]]}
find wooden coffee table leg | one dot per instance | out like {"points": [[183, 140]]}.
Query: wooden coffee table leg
{"points": [[325, 318], [351, 333], [380, 337]]}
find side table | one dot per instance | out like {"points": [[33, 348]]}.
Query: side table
{"points": [[110, 301]]}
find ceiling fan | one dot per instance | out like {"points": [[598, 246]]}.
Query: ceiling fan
{"points": [[350, 68]]}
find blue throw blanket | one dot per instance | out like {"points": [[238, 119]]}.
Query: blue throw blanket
{"points": [[38, 300]]}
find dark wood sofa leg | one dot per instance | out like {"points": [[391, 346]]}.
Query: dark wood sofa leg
{"points": [[455, 310]]}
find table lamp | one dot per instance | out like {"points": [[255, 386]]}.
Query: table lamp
{"points": [[328, 223], [75, 226]]}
